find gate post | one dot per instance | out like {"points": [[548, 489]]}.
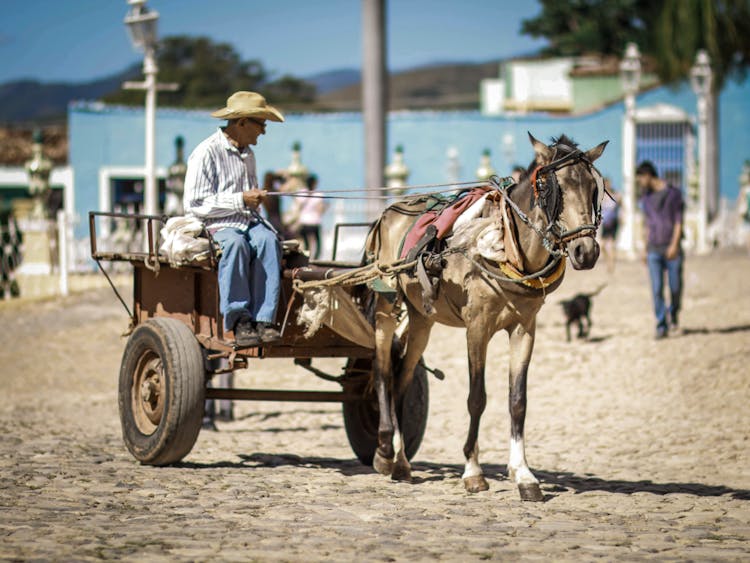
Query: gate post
{"points": [[630, 73]]}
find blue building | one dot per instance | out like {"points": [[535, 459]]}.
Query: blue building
{"points": [[107, 152]]}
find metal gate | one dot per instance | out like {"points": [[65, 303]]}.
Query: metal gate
{"points": [[664, 135]]}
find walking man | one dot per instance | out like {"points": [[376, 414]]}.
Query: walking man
{"points": [[662, 206]]}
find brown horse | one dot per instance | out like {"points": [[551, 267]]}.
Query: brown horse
{"points": [[553, 213]]}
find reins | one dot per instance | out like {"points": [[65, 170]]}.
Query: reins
{"points": [[451, 187], [553, 238]]}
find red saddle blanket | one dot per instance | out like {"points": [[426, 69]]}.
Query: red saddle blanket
{"points": [[443, 219]]}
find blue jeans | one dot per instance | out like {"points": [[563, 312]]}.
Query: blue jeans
{"points": [[249, 274], [657, 265]]}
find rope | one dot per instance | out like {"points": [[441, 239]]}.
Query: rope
{"points": [[453, 187], [358, 276]]}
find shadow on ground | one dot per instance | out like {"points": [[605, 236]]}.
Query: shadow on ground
{"points": [[556, 482], [718, 330]]}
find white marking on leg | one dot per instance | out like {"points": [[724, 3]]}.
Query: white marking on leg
{"points": [[472, 468], [397, 443], [518, 470]]}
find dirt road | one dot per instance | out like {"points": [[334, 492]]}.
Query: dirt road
{"points": [[643, 447]]}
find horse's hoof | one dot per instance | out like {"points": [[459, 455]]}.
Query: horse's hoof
{"points": [[530, 492], [401, 472], [382, 465], [476, 484]]}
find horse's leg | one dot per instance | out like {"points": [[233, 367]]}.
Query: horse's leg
{"points": [[477, 341], [385, 327], [416, 341], [521, 346]]}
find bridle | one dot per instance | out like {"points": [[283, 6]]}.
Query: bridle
{"points": [[546, 193]]}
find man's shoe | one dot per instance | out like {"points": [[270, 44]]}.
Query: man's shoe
{"points": [[268, 334], [245, 335], [208, 424], [661, 332]]}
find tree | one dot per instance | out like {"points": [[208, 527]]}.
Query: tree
{"points": [[290, 90], [721, 27], [576, 27], [208, 72]]}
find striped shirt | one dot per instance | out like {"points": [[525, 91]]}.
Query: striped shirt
{"points": [[217, 174]]}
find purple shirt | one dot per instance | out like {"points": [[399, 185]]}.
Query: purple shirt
{"points": [[662, 210]]}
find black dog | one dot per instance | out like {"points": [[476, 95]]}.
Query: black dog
{"points": [[577, 310]]}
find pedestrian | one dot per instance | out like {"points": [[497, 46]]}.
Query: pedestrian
{"points": [[221, 189], [309, 216], [662, 205], [610, 223]]}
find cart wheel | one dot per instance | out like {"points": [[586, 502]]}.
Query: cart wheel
{"points": [[361, 417], [162, 389]]}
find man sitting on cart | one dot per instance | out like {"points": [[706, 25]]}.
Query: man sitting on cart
{"points": [[221, 189]]}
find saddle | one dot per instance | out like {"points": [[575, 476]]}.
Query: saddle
{"points": [[424, 242]]}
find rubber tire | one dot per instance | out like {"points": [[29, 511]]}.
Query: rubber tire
{"points": [[185, 387], [361, 417]]}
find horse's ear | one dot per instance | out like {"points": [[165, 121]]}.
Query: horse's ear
{"points": [[543, 152], [596, 152]]}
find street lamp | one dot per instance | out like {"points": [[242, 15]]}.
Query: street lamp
{"points": [[630, 75], [700, 80]]}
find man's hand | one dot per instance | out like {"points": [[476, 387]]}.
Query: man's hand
{"points": [[672, 251], [253, 198]]}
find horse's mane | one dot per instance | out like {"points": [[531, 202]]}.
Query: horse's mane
{"points": [[563, 143], [552, 200]]}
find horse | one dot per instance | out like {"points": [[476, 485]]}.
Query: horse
{"points": [[553, 213]]}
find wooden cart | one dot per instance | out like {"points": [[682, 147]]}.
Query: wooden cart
{"points": [[177, 343]]}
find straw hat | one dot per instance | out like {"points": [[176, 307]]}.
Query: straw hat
{"points": [[248, 104]]}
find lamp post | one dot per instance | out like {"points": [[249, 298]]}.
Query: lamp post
{"points": [[141, 25], [700, 80], [630, 75]]}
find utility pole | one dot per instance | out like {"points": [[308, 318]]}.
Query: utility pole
{"points": [[374, 99]]}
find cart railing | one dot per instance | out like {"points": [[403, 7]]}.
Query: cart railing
{"points": [[151, 252]]}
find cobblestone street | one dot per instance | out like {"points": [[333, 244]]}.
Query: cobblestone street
{"points": [[642, 447]]}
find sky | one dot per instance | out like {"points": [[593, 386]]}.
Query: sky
{"points": [[81, 40]]}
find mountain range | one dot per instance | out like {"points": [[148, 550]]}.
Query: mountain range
{"points": [[437, 85]]}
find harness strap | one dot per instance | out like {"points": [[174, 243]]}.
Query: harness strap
{"points": [[533, 178]]}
